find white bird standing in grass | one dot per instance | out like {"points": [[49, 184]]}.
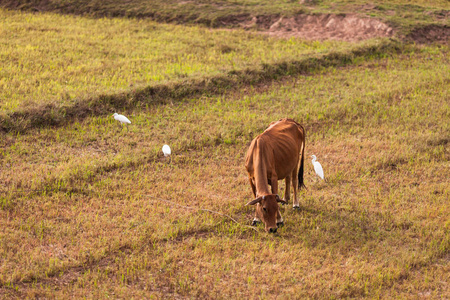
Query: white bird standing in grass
{"points": [[121, 118], [166, 150], [317, 167]]}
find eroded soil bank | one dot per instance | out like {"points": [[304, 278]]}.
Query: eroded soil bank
{"points": [[321, 27]]}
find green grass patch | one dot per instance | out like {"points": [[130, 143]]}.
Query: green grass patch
{"points": [[56, 73], [48, 57], [403, 15]]}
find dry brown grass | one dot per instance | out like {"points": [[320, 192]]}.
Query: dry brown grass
{"points": [[81, 216]]}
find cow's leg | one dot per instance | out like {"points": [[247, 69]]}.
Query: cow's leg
{"points": [[256, 220], [252, 184], [295, 204], [287, 193], [274, 181]]}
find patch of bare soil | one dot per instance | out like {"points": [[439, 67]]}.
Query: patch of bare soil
{"points": [[431, 33], [321, 27]]}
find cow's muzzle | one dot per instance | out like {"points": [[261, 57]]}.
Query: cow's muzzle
{"points": [[273, 230]]}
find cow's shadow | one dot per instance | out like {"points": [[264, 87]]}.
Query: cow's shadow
{"points": [[322, 225], [319, 222]]}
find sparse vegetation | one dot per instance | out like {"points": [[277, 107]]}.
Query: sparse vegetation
{"points": [[90, 210]]}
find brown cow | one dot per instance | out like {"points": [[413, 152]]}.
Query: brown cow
{"points": [[275, 155]]}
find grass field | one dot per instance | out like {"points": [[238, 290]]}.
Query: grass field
{"points": [[91, 210], [41, 65]]}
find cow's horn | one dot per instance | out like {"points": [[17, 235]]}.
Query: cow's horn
{"points": [[253, 202]]}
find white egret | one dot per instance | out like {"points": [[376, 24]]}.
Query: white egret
{"points": [[166, 150], [317, 167], [121, 118]]}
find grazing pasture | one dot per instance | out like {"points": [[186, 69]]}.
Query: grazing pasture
{"points": [[48, 58], [88, 209]]}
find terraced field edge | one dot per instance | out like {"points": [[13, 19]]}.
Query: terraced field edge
{"points": [[39, 116]]}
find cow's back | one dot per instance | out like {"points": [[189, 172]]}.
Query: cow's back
{"points": [[285, 137], [278, 147]]}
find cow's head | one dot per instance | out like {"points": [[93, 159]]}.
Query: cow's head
{"points": [[267, 210]]}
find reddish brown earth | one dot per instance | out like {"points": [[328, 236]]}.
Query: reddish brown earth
{"points": [[348, 27], [321, 27]]}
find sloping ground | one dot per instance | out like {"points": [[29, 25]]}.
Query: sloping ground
{"points": [[347, 27], [60, 114], [310, 20]]}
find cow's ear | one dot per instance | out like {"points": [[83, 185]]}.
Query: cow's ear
{"points": [[280, 200], [253, 202]]}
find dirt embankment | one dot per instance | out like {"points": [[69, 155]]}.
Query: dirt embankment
{"points": [[322, 27], [348, 27], [344, 27]]}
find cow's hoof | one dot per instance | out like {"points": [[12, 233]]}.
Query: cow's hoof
{"points": [[280, 224], [286, 202], [296, 208], [254, 223]]}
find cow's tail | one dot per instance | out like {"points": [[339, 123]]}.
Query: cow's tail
{"points": [[301, 183]]}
